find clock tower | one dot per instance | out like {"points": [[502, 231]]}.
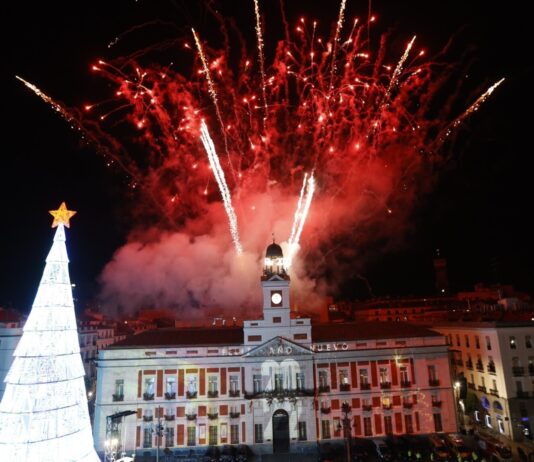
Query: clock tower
{"points": [[276, 320]]}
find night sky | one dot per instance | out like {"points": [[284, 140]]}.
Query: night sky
{"points": [[477, 214]]}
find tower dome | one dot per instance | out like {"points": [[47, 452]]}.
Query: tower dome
{"points": [[274, 260], [274, 251]]}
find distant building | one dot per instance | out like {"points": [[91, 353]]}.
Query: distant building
{"points": [[276, 384], [10, 333], [497, 360]]}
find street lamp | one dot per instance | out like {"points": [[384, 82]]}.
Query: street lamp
{"points": [[111, 444], [347, 432]]}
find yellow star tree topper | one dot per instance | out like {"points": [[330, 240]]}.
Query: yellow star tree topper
{"points": [[62, 216]]}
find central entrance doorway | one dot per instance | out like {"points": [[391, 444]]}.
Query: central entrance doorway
{"points": [[280, 431]]}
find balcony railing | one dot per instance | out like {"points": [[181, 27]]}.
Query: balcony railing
{"points": [[433, 382], [491, 368], [480, 366], [481, 388], [169, 418], [118, 397], [324, 388], [325, 410], [148, 418], [234, 415], [469, 364], [148, 396], [494, 392], [191, 416], [518, 371], [171, 395], [406, 383], [191, 394], [365, 386], [213, 394], [279, 394], [407, 405], [522, 394], [367, 407], [213, 416], [234, 393], [344, 387], [385, 385], [387, 407], [436, 403]]}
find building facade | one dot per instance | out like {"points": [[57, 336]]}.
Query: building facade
{"points": [[276, 384], [497, 361], [10, 333]]}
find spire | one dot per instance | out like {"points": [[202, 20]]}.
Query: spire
{"points": [[43, 413]]}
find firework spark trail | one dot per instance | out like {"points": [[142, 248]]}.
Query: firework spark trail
{"points": [[261, 58], [476, 105], [397, 72], [293, 244], [213, 94], [339, 26], [298, 211], [223, 187], [47, 99]]}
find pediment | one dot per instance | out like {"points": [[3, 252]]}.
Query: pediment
{"points": [[278, 347]]}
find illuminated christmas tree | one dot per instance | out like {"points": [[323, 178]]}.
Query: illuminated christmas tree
{"points": [[43, 413]]}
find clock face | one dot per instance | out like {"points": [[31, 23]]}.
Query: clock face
{"points": [[276, 298]]}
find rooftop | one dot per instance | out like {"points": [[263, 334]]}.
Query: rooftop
{"points": [[372, 330]]}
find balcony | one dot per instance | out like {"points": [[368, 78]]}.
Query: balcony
{"points": [[367, 407], [148, 396], [494, 392], [433, 382], [169, 418], [324, 388], [481, 388], [279, 394], [491, 368], [365, 386], [234, 393], [407, 405], [471, 386], [234, 415], [387, 407], [344, 387], [191, 394], [213, 415], [469, 364], [148, 418], [213, 394], [385, 385], [522, 394], [191, 416], [170, 395], [118, 398], [325, 410], [436, 403], [480, 366], [518, 371], [406, 384]]}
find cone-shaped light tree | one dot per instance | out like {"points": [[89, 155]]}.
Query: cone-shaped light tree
{"points": [[43, 413]]}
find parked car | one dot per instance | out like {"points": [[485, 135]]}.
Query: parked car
{"points": [[383, 451], [493, 448], [440, 450], [457, 445]]}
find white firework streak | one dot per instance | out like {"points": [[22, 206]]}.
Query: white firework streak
{"points": [[470, 110], [339, 26], [213, 94], [261, 58], [398, 70], [223, 187], [308, 188]]}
